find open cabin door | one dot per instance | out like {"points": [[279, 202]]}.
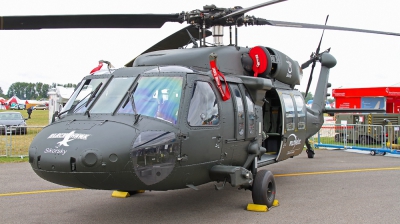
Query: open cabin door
{"points": [[293, 125]]}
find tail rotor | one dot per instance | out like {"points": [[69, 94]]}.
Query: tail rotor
{"points": [[313, 59]]}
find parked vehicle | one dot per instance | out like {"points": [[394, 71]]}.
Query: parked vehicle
{"points": [[12, 122], [18, 107], [41, 107]]}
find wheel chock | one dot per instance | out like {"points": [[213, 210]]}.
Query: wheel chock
{"points": [[275, 203], [140, 191], [257, 208], [120, 194]]}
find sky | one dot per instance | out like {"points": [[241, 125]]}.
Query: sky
{"points": [[67, 55]]}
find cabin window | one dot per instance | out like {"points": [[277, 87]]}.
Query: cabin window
{"points": [[289, 111], [240, 110], [301, 112], [203, 110], [157, 97], [250, 113], [112, 95]]}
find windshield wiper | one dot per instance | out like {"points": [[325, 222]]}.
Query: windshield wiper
{"points": [[74, 107], [131, 99], [93, 94]]}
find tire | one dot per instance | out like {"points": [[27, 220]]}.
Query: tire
{"points": [[264, 188], [310, 154], [372, 153]]}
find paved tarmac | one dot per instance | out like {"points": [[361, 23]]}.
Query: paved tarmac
{"points": [[334, 187]]}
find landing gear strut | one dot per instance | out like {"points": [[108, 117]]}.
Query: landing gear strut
{"points": [[264, 188], [310, 150]]}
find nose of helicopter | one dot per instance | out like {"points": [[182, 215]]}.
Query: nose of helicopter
{"points": [[89, 155]]}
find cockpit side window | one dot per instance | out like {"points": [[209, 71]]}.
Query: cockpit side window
{"points": [[203, 110]]}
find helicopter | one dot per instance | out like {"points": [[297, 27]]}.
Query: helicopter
{"points": [[182, 117]]}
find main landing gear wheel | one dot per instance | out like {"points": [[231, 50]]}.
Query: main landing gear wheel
{"points": [[264, 188]]}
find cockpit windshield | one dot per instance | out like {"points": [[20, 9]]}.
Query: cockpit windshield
{"points": [[112, 95], [153, 96], [78, 103], [157, 97]]}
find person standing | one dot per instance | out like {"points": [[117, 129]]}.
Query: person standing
{"points": [[29, 110]]}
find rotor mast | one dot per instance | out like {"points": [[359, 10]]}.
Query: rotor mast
{"points": [[218, 35]]}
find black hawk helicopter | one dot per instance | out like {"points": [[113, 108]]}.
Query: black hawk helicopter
{"points": [[182, 117]]}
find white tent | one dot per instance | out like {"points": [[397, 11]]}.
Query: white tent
{"points": [[14, 100], [2, 100], [58, 97]]}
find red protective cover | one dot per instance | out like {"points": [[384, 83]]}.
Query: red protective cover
{"points": [[260, 60]]}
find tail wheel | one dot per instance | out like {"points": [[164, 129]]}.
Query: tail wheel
{"points": [[264, 188], [310, 153]]}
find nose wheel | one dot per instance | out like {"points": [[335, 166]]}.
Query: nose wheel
{"points": [[264, 188]]}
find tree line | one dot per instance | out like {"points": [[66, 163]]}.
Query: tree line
{"points": [[31, 91]]}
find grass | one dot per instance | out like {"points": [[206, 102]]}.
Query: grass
{"points": [[20, 143], [13, 159]]}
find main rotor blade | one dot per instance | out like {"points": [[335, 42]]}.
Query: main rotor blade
{"points": [[174, 41], [243, 11], [315, 26], [87, 21]]}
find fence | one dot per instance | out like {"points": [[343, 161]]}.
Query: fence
{"points": [[15, 140], [373, 138]]}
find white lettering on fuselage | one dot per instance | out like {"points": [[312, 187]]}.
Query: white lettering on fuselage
{"points": [[295, 142], [55, 151], [67, 137], [289, 72]]}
